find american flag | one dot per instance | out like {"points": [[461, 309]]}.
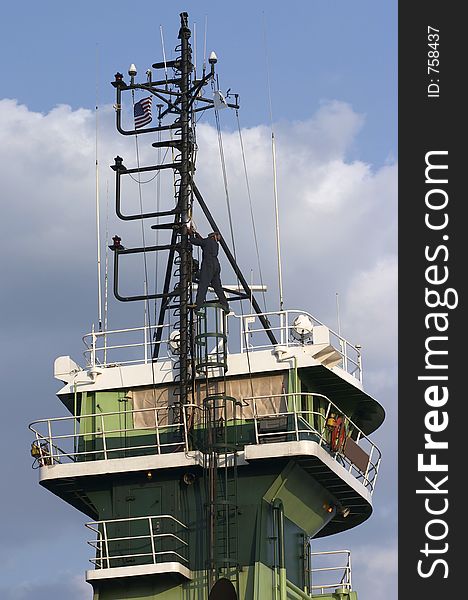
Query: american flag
{"points": [[142, 112]]}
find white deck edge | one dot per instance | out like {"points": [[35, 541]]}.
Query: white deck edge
{"points": [[304, 448], [160, 372], [148, 462], [133, 571]]}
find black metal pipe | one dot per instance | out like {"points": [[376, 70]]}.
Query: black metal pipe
{"points": [[118, 118], [119, 171], [138, 297]]}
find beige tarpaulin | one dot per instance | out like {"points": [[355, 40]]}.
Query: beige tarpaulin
{"points": [[154, 406]]}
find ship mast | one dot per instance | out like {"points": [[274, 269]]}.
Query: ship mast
{"points": [[186, 170], [182, 99]]}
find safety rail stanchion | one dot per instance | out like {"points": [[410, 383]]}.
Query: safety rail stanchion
{"points": [[99, 548], [366, 474], [51, 447], [106, 544], [93, 347], [325, 424], [104, 444], [345, 355], [241, 334], [153, 549], [296, 425], [349, 571], [255, 421], [359, 362], [156, 422]]}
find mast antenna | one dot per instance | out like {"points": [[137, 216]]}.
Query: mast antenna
{"points": [[204, 46], [338, 314], [275, 186], [98, 225]]}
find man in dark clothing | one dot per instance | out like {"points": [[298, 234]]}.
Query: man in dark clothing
{"points": [[210, 269]]}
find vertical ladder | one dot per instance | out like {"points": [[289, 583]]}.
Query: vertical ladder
{"points": [[219, 446]]}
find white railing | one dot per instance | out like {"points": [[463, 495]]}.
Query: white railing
{"points": [[329, 427], [136, 345], [252, 337], [127, 433], [328, 575], [139, 540], [96, 437]]}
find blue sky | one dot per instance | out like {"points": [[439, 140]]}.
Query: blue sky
{"points": [[318, 51], [333, 67]]}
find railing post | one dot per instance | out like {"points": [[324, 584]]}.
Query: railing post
{"points": [[99, 543], [322, 433], [93, 347], [241, 334], [369, 462], [156, 422], [51, 448], [106, 544], [184, 413], [104, 444], [349, 571], [296, 425], [153, 550], [376, 468], [255, 420], [359, 360]]}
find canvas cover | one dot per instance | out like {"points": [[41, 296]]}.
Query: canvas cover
{"points": [[155, 406]]}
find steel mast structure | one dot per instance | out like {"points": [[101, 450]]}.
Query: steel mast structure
{"points": [[207, 471]]}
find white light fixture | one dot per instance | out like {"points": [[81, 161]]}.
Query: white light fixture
{"points": [[302, 327]]}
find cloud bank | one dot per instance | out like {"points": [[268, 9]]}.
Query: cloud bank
{"points": [[338, 234]]}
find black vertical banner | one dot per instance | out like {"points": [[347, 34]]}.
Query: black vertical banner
{"points": [[433, 238]]}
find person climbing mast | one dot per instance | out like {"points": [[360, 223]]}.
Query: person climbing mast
{"points": [[210, 268]]}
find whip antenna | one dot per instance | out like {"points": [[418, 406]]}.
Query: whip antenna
{"points": [[275, 186], [98, 226]]}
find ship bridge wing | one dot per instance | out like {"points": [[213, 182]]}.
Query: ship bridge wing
{"points": [[367, 413]]}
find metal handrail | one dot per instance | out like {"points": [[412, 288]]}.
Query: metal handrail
{"points": [[96, 353], [344, 582], [103, 541], [302, 425], [91, 341], [53, 447], [51, 452], [351, 365]]}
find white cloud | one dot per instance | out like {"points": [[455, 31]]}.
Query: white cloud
{"points": [[370, 305], [338, 227], [376, 567]]}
